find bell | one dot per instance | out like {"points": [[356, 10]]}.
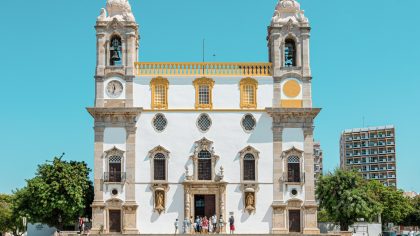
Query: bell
{"points": [[115, 56]]}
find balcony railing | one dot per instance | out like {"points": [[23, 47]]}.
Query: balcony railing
{"points": [[114, 177], [202, 69]]}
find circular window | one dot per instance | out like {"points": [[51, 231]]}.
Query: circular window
{"points": [[248, 122], [114, 192], [160, 122], [204, 122], [294, 192]]}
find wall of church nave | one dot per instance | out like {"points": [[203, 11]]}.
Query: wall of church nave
{"points": [[181, 92], [150, 221], [257, 222], [226, 133]]}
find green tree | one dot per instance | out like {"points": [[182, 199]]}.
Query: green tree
{"points": [[413, 219], [396, 207], [59, 193], [10, 220], [345, 197]]}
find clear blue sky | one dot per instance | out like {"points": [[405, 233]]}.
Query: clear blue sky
{"points": [[365, 62]]}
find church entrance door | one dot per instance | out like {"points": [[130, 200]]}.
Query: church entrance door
{"points": [[294, 221], [114, 221], [204, 205]]}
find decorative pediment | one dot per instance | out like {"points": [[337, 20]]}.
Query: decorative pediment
{"points": [[204, 144], [292, 152], [159, 149], [114, 24], [114, 203], [114, 152], [249, 149]]}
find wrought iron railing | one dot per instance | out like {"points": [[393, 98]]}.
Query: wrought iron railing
{"points": [[202, 69], [114, 177]]}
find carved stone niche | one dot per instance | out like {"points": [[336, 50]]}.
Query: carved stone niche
{"points": [[159, 197]]}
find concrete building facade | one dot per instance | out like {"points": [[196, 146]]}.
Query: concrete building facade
{"points": [[371, 151]]}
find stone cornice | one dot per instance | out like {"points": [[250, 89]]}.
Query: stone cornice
{"points": [[293, 115], [118, 115]]}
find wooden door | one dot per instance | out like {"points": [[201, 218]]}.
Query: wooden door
{"points": [[115, 221], [294, 221], [115, 172], [209, 205]]}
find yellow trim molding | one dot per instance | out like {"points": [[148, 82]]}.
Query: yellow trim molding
{"points": [[291, 88], [154, 84], [213, 110], [291, 103], [203, 82], [246, 82]]}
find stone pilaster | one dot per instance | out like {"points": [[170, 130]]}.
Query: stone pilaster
{"points": [[307, 94], [306, 66], [99, 101], [98, 202]]}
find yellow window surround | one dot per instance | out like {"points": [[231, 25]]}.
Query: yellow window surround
{"points": [[159, 87], [249, 88], [205, 102]]}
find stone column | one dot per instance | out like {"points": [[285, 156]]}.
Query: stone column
{"points": [[299, 54], [310, 205], [307, 96], [306, 56], [99, 100], [279, 207], [131, 52], [187, 200], [100, 53], [129, 91], [98, 204], [276, 92], [130, 205]]}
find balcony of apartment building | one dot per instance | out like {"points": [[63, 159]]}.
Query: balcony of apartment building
{"points": [[373, 135], [373, 160], [383, 160], [391, 175], [381, 135], [381, 143], [356, 161], [348, 138], [365, 144], [363, 160], [373, 151], [364, 136], [383, 167], [391, 167], [374, 176], [374, 168], [392, 184], [382, 175], [390, 142], [349, 154], [357, 153], [391, 150], [391, 158], [356, 136], [357, 145], [382, 151], [389, 133]]}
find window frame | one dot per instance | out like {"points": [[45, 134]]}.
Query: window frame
{"points": [[203, 82], [121, 50], [152, 155], [204, 145], [244, 83], [242, 154], [154, 84], [293, 152], [114, 152]]}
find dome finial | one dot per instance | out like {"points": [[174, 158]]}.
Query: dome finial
{"points": [[288, 11], [119, 9]]}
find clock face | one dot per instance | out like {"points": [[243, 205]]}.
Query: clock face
{"points": [[114, 88]]}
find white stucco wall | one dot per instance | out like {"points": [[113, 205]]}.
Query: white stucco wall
{"points": [[179, 138], [181, 92]]}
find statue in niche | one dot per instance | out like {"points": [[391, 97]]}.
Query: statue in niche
{"points": [[250, 201], [159, 201]]}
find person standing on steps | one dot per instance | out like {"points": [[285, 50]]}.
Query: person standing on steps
{"points": [[221, 224], [214, 223], [176, 224]]}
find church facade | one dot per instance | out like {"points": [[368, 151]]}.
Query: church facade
{"points": [[181, 140]]}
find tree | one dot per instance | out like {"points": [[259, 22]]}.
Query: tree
{"points": [[413, 219], [10, 220], [396, 207], [346, 198], [58, 194]]}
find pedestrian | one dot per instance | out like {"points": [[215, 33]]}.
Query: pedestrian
{"points": [[221, 224], [81, 225], [205, 225], [210, 226], [185, 226], [232, 224], [197, 225], [214, 222], [176, 224], [192, 225]]}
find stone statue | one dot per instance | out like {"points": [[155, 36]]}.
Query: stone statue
{"points": [[250, 201], [119, 9], [102, 15], [159, 200]]}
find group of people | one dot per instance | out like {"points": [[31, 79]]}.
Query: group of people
{"points": [[204, 225]]}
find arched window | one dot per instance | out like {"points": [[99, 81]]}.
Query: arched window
{"points": [[159, 87], [249, 167], [248, 93], [204, 165], [289, 53], [114, 169], [159, 165], [293, 169], [115, 49], [203, 93]]}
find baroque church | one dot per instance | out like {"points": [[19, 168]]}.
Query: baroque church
{"points": [[181, 140]]}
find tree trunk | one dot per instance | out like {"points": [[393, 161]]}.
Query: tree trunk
{"points": [[344, 226]]}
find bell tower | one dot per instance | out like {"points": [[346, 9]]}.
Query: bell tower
{"points": [[114, 209], [117, 35], [294, 206]]}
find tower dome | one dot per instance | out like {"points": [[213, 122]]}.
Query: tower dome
{"points": [[288, 5], [288, 11], [119, 9]]}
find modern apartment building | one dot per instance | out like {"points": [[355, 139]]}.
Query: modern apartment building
{"points": [[317, 162], [371, 151]]}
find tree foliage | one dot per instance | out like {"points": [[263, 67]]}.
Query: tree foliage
{"points": [[59, 193], [345, 196], [10, 220], [413, 219], [396, 207]]}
